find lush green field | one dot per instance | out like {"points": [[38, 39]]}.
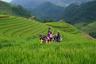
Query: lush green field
{"points": [[89, 28], [19, 43]]}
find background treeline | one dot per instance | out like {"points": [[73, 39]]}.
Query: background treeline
{"points": [[85, 12], [9, 9]]}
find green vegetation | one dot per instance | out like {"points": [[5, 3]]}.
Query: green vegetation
{"points": [[48, 11], [8, 9], [81, 13], [19, 43], [83, 16], [88, 28], [19, 37]]}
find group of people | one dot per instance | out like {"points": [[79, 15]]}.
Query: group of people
{"points": [[50, 37]]}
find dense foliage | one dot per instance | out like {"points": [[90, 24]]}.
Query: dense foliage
{"points": [[48, 11], [8, 9], [85, 12]]}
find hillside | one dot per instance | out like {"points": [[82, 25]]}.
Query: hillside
{"points": [[81, 13], [48, 11], [28, 4], [19, 43], [83, 16], [72, 11], [90, 29], [35, 3], [8, 9], [9, 23]]}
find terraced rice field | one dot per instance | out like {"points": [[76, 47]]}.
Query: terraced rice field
{"points": [[19, 43], [19, 27]]}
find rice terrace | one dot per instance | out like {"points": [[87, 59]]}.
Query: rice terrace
{"points": [[22, 41]]}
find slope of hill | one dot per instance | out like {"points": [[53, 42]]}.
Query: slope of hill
{"points": [[81, 13], [35, 3], [19, 43], [52, 9], [90, 29], [8, 9], [48, 11], [65, 27], [28, 4]]}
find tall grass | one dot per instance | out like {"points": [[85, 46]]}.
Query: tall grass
{"points": [[19, 44]]}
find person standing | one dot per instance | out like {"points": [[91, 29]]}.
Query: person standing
{"points": [[50, 34], [58, 37]]}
